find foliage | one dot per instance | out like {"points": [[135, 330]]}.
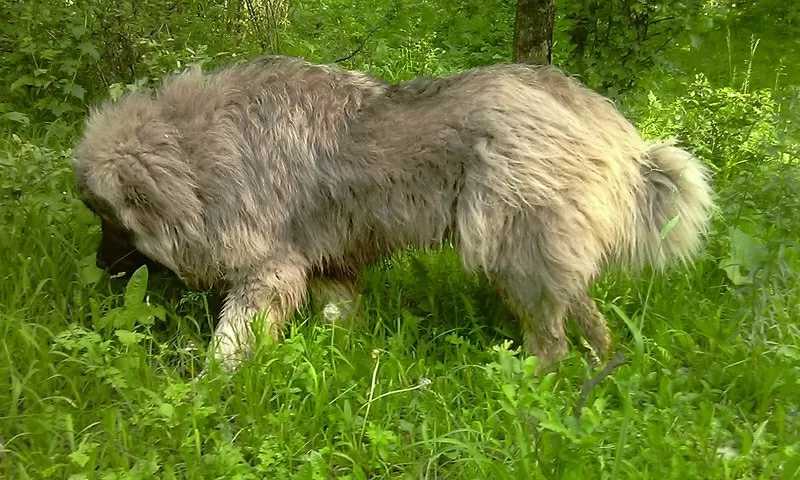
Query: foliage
{"points": [[729, 128], [61, 55], [382, 36], [738, 133], [99, 384], [97, 374], [611, 42], [776, 12]]}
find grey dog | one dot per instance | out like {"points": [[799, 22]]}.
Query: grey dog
{"points": [[277, 178]]}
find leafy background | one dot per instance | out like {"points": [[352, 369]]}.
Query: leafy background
{"points": [[96, 373]]}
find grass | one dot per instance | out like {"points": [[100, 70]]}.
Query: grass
{"points": [[99, 371]]}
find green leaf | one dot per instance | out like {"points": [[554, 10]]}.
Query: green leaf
{"points": [[88, 48], [669, 226], [746, 253], [128, 338], [90, 274], [50, 53], [16, 117], [136, 288], [23, 80], [115, 90], [82, 455], [77, 30], [638, 338], [510, 391], [143, 313], [166, 410], [76, 91]]}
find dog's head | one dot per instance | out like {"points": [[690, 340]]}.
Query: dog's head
{"points": [[116, 253], [131, 171]]}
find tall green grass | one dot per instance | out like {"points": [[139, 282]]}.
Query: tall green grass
{"points": [[96, 373]]}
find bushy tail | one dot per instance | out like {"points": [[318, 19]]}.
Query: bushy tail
{"points": [[674, 208]]}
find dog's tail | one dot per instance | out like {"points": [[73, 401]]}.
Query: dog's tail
{"points": [[673, 208]]}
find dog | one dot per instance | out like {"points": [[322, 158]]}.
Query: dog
{"points": [[276, 178]]}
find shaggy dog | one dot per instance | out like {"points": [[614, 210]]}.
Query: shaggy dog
{"points": [[277, 178]]}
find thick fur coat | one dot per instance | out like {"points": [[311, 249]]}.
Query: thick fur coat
{"points": [[276, 177]]}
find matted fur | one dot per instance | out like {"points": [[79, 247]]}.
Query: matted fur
{"points": [[276, 176]]}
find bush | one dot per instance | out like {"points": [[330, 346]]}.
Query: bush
{"points": [[731, 130]]}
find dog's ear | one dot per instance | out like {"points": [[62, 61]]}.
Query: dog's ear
{"points": [[132, 156], [159, 182], [157, 190]]}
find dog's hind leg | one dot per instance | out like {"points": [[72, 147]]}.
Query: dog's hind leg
{"points": [[541, 317], [592, 323], [270, 293], [542, 262]]}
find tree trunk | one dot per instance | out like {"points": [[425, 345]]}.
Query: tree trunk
{"points": [[533, 31]]}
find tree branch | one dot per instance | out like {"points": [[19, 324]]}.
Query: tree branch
{"points": [[663, 45], [590, 383], [359, 48], [662, 19]]}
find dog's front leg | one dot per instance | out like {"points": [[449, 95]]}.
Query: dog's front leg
{"points": [[270, 293]]}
